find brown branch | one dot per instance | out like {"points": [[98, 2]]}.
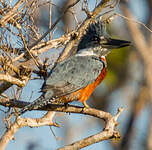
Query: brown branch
{"points": [[59, 108], [20, 74], [53, 107], [46, 120], [13, 80], [11, 13], [107, 133], [45, 46], [50, 18], [5, 62]]}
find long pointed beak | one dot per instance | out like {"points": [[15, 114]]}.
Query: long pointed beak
{"points": [[115, 43]]}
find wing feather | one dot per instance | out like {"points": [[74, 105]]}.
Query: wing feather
{"points": [[73, 74]]}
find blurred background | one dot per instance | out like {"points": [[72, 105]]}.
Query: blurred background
{"points": [[124, 86]]}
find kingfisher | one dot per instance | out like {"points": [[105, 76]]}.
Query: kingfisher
{"points": [[76, 77]]}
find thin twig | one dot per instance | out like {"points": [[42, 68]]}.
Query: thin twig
{"points": [[13, 80], [133, 20], [50, 17], [53, 25]]}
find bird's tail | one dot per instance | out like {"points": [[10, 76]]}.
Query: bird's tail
{"points": [[38, 103]]}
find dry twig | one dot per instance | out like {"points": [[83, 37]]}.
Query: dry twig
{"points": [[46, 120]]}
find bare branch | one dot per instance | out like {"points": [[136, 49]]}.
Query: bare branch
{"points": [[11, 13], [46, 120], [59, 108], [50, 18], [107, 133], [13, 80]]}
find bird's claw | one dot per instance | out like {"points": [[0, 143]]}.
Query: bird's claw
{"points": [[85, 104]]}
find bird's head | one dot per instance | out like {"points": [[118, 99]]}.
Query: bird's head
{"points": [[97, 40]]}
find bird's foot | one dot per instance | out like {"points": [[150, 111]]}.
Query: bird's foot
{"points": [[85, 104]]}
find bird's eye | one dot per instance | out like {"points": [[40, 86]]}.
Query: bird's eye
{"points": [[95, 38]]}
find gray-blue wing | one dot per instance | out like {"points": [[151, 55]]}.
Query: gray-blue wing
{"points": [[73, 74]]}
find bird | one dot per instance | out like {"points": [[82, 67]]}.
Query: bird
{"points": [[76, 77]]}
